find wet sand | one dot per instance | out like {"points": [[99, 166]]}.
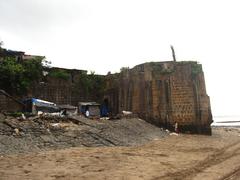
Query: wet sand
{"points": [[173, 157]]}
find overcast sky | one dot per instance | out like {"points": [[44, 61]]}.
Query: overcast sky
{"points": [[105, 35]]}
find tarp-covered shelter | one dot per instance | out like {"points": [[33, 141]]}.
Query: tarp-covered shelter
{"points": [[34, 105]]}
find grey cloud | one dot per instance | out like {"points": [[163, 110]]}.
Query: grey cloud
{"points": [[27, 16]]}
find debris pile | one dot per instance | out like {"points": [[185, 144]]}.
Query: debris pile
{"points": [[42, 133]]}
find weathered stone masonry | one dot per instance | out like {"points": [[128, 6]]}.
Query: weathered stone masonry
{"points": [[9, 103], [159, 92], [163, 93], [63, 91]]}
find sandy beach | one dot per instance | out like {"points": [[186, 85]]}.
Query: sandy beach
{"points": [[172, 157]]}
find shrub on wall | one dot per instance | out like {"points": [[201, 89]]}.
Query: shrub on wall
{"points": [[59, 73], [196, 69], [91, 85]]}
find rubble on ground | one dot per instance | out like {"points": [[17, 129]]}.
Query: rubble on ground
{"points": [[42, 133]]}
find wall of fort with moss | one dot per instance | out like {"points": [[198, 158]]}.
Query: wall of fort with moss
{"points": [[163, 93]]}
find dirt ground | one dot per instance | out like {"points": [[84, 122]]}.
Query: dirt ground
{"points": [[172, 157]]}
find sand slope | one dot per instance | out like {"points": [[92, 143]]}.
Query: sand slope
{"points": [[173, 157]]}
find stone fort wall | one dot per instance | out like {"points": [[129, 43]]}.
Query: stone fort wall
{"points": [[163, 93], [69, 90]]}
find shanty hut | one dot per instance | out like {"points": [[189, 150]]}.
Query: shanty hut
{"points": [[68, 109], [34, 105], [92, 107]]}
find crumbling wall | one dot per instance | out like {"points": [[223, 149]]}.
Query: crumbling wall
{"points": [[111, 93], [9, 105], [164, 93], [54, 90], [66, 90]]}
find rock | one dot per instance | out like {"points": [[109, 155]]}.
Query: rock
{"points": [[23, 117], [16, 130], [2, 117], [126, 112], [174, 134]]}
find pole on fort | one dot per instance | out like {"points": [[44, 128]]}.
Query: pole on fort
{"points": [[173, 54]]}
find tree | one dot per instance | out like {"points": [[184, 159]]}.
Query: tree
{"points": [[91, 85], [59, 73], [16, 77]]}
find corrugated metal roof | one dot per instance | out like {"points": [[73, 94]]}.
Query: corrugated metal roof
{"points": [[88, 104], [67, 106]]}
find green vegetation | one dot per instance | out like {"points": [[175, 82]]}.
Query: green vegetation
{"points": [[91, 84], [1, 43], [17, 77], [123, 69], [14, 114], [18, 114], [59, 73], [196, 68], [167, 71], [157, 67]]}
